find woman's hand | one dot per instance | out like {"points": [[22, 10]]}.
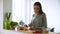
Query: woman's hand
{"points": [[25, 28], [30, 25]]}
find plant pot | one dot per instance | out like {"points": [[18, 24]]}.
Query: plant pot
{"points": [[13, 25], [7, 25]]}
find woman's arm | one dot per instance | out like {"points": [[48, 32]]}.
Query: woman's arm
{"points": [[30, 25], [44, 20]]}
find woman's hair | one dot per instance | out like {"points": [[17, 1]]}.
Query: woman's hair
{"points": [[38, 4]]}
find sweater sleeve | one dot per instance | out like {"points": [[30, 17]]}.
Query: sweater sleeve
{"points": [[44, 20]]}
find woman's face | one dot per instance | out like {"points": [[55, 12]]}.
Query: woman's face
{"points": [[36, 9]]}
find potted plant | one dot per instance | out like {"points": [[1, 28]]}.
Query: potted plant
{"points": [[6, 23], [13, 24]]}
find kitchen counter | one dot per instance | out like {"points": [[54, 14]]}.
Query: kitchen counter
{"points": [[22, 32], [29, 32]]}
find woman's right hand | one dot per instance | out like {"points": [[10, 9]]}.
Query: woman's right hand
{"points": [[30, 25]]}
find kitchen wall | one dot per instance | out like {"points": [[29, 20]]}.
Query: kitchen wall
{"points": [[7, 7], [1, 14]]}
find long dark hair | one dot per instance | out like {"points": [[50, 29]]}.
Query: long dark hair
{"points": [[38, 4]]}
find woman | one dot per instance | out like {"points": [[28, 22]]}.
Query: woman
{"points": [[39, 22]]}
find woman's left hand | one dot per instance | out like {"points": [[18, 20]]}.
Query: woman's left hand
{"points": [[25, 28]]}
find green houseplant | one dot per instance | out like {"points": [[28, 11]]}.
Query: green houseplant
{"points": [[13, 24], [6, 23]]}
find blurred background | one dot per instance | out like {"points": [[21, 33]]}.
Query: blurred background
{"points": [[23, 10]]}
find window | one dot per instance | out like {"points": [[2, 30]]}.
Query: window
{"points": [[22, 10]]}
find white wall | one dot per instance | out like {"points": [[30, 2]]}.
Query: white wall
{"points": [[1, 14], [7, 7]]}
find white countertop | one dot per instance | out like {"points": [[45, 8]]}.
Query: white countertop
{"points": [[21, 32]]}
